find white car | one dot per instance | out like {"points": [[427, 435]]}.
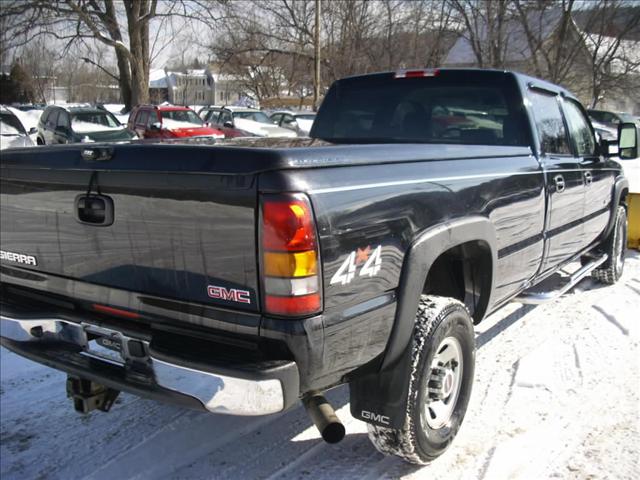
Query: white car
{"points": [[299, 122], [13, 132], [242, 122]]}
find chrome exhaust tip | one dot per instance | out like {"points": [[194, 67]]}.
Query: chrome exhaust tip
{"points": [[324, 417]]}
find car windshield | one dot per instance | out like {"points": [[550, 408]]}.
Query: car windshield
{"points": [[94, 122], [260, 117], [422, 110], [182, 116], [10, 125]]}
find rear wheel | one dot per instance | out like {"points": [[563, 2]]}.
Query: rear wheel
{"points": [[443, 360], [611, 270]]}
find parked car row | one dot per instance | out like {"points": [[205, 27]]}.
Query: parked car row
{"points": [[86, 123]]}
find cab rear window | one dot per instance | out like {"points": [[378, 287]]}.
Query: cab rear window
{"points": [[421, 110]]}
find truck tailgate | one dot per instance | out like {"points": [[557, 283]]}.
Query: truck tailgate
{"points": [[178, 229]]}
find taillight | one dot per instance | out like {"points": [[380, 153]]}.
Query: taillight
{"points": [[289, 256]]}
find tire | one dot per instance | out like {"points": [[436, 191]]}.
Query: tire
{"points": [[443, 330], [615, 245]]}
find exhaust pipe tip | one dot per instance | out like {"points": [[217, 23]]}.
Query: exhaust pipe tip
{"points": [[333, 432], [324, 418]]}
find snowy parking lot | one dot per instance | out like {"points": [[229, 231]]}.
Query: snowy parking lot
{"points": [[556, 395]]}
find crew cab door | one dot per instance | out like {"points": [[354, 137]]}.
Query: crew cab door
{"points": [[598, 179], [564, 230]]}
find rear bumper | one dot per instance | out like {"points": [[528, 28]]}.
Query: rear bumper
{"points": [[133, 366]]}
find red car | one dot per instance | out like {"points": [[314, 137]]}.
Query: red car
{"points": [[169, 121]]}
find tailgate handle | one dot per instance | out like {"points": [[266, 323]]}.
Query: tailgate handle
{"points": [[94, 210]]}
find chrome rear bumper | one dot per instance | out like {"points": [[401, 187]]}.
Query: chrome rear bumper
{"points": [[131, 364]]}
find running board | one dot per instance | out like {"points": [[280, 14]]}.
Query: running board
{"points": [[533, 297]]}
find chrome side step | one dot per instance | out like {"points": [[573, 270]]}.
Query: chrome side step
{"points": [[533, 296]]}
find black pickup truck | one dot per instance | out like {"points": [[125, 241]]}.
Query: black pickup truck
{"points": [[242, 277]]}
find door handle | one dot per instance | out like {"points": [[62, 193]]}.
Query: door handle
{"points": [[94, 210], [588, 178], [559, 181]]}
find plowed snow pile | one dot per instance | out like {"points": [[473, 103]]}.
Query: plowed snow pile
{"points": [[556, 396]]}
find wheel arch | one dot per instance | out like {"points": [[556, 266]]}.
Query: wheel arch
{"points": [[467, 234], [619, 194], [381, 392]]}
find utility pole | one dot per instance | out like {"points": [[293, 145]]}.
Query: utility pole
{"points": [[316, 57]]}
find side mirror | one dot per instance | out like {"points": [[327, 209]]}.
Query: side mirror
{"points": [[628, 141], [33, 130], [155, 126], [228, 124]]}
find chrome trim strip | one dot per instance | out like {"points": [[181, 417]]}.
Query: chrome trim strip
{"points": [[218, 393], [320, 191], [417, 181]]}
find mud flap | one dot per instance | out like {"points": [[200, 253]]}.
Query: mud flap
{"points": [[380, 397]]}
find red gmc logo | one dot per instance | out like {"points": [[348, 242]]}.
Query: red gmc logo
{"points": [[232, 295]]}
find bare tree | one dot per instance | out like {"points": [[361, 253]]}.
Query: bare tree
{"points": [[124, 26], [614, 58], [486, 28]]}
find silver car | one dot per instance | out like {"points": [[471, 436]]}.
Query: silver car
{"points": [[13, 133]]}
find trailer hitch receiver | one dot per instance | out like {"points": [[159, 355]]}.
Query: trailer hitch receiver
{"points": [[88, 396]]}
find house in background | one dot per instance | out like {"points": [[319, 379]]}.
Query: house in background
{"points": [[545, 32], [194, 87], [227, 88]]}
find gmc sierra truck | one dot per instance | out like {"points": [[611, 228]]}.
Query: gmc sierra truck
{"points": [[242, 277]]}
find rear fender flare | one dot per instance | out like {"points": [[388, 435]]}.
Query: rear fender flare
{"points": [[382, 394], [418, 261]]}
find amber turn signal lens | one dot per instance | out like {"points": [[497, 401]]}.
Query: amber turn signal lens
{"points": [[298, 264]]}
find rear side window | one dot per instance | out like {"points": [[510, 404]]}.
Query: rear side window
{"points": [[579, 127], [548, 117]]}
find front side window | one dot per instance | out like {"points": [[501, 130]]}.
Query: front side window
{"points": [[548, 118], [63, 119], [580, 132], [52, 118], [225, 117]]}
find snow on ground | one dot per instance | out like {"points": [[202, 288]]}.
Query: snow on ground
{"points": [[556, 395]]}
